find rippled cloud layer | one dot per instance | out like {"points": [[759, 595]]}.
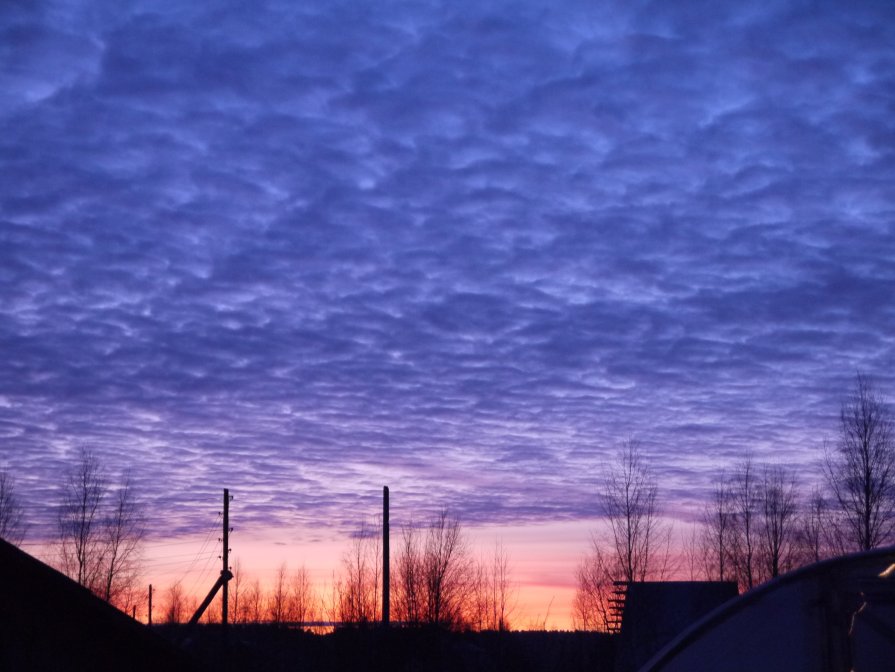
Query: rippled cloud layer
{"points": [[466, 249]]}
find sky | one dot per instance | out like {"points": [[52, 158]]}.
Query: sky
{"points": [[464, 249]]}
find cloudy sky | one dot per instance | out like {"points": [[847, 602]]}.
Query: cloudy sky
{"points": [[466, 249]]}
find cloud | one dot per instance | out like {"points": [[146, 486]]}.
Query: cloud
{"points": [[465, 250]]}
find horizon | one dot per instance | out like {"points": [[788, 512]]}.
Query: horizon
{"points": [[465, 250]]}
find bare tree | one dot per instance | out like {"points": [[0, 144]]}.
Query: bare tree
{"points": [[278, 598], [302, 600], [409, 594], [637, 543], [80, 525], [694, 552], [254, 603], [860, 469], [814, 533], [445, 568], [717, 532], [745, 500], [12, 527], [777, 521], [124, 530], [435, 578], [503, 590], [478, 603], [491, 596], [592, 609], [237, 588], [639, 540], [176, 608], [357, 590], [99, 536]]}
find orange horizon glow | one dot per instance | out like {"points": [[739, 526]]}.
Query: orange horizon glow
{"points": [[543, 562], [543, 559]]}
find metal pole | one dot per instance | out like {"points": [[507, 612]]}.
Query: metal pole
{"points": [[150, 604], [385, 558]]}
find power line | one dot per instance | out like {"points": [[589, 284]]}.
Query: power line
{"points": [[171, 563], [204, 573], [165, 557], [171, 543], [203, 547]]}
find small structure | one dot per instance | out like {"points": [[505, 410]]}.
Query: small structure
{"points": [[654, 612], [833, 616]]}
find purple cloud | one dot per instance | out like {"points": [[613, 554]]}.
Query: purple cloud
{"points": [[462, 249]]}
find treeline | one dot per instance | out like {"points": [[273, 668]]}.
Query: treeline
{"points": [[760, 520], [435, 581]]}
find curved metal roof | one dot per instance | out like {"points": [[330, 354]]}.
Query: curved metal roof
{"points": [[834, 615]]}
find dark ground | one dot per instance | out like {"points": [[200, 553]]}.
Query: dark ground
{"points": [[268, 648]]}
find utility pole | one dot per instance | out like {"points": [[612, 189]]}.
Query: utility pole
{"points": [[150, 604], [225, 570], [385, 559], [225, 576]]}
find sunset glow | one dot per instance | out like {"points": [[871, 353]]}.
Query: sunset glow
{"points": [[467, 250]]}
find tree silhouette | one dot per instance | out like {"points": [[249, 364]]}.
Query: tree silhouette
{"points": [[254, 603], [445, 571], [99, 535], [279, 596], [860, 469], [814, 528], [302, 600], [409, 593], [777, 521], [717, 532], [501, 590], [435, 579], [80, 534], [123, 532], [176, 607], [12, 527], [636, 544], [745, 502], [357, 591]]}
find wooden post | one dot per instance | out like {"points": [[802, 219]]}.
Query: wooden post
{"points": [[385, 559], [150, 604], [225, 570]]}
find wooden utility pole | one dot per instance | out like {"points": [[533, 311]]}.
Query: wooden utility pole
{"points": [[150, 604], [385, 558], [225, 576], [225, 570]]}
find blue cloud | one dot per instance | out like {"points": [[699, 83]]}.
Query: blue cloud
{"points": [[465, 250]]}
